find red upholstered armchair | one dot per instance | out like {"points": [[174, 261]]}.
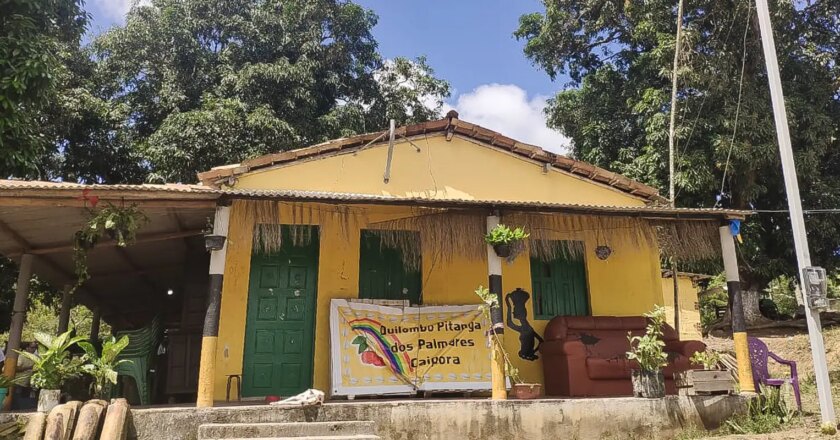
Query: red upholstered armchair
{"points": [[586, 355]]}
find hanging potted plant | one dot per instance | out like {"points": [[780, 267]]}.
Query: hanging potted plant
{"points": [[505, 240], [519, 389], [212, 242], [52, 366], [648, 351], [102, 368], [120, 223]]}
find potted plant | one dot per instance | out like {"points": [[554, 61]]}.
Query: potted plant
{"points": [[649, 351], [519, 389], [101, 368], [711, 379], [120, 223], [212, 242], [504, 239], [52, 365]]}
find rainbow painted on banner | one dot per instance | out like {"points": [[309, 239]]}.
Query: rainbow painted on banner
{"points": [[370, 327]]}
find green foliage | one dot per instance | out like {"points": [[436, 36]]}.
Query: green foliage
{"points": [[120, 223], [34, 32], [766, 413], [709, 359], [502, 234], [53, 363], [102, 367], [489, 301], [619, 56], [649, 349], [42, 317], [185, 85], [782, 291]]}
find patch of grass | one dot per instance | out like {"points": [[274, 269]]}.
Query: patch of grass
{"points": [[692, 433], [765, 413]]}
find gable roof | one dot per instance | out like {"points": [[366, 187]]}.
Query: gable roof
{"points": [[449, 126]]}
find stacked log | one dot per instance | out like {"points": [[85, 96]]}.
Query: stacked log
{"points": [[95, 419]]}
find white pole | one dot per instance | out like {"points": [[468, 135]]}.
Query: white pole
{"points": [[672, 130], [803, 256]]}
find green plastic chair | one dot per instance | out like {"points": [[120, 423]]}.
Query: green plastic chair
{"points": [[141, 351]]}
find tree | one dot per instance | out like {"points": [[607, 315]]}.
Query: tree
{"points": [[32, 34], [618, 56], [186, 85]]}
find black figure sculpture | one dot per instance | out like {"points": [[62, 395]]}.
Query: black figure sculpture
{"points": [[529, 340]]}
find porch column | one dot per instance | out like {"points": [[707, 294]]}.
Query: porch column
{"points": [[94, 325], [18, 317], [497, 330], [207, 366], [64, 314], [739, 327]]}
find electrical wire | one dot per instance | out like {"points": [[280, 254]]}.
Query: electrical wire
{"points": [[737, 107]]}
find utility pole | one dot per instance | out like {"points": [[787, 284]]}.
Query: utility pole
{"points": [[803, 256], [672, 131]]}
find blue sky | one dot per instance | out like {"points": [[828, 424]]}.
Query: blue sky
{"points": [[470, 43]]}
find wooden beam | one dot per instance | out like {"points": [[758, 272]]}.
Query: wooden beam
{"points": [[18, 318], [19, 241], [107, 243], [134, 266]]}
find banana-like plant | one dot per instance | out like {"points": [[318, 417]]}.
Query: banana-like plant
{"points": [[53, 364], [102, 368]]}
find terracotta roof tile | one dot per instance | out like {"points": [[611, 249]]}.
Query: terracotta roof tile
{"points": [[463, 128]]}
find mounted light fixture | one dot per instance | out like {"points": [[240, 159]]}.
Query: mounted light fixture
{"points": [[170, 292]]}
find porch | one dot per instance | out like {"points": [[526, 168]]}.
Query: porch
{"points": [[129, 286]]}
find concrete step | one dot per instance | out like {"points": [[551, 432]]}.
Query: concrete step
{"points": [[328, 437], [319, 430]]}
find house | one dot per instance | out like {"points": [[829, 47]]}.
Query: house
{"points": [[398, 215], [593, 246]]}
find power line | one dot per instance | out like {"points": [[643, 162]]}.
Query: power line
{"points": [[738, 105]]}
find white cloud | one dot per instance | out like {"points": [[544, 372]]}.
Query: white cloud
{"points": [[507, 109], [113, 10]]}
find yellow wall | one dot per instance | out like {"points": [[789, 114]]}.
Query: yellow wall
{"points": [[628, 283], [689, 308], [459, 169]]}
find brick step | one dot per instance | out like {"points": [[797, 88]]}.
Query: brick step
{"points": [[319, 430]]}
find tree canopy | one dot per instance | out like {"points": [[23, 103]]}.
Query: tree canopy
{"points": [[618, 55], [33, 35], [185, 85]]}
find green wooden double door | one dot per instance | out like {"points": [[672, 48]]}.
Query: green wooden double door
{"points": [[280, 323], [559, 287]]}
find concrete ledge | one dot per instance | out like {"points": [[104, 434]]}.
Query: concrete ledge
{"points": [[621, 417]]}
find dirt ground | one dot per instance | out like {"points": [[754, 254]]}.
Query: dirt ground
{"points": [[793, 344]]}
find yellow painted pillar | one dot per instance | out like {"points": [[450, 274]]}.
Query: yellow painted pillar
{"points": [[739, 327], [210, 335], [497, 326]]}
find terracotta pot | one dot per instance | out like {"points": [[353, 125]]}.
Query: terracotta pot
{"points": [[649, 384], [526, 391], [503, 250], [48, 399]]}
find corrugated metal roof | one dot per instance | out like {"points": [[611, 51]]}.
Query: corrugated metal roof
{"points": [[657, 211], [35, 188], [70, 186]]}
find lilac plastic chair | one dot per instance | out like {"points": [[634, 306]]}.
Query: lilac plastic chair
{"points": [[759, 355]]}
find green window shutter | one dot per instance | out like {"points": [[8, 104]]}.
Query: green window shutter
{"points": [[382, 273], [559, 287]]}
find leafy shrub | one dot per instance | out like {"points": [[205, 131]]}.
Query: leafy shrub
{"points": [[649, 349], [709, 359], [781, 291]]}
